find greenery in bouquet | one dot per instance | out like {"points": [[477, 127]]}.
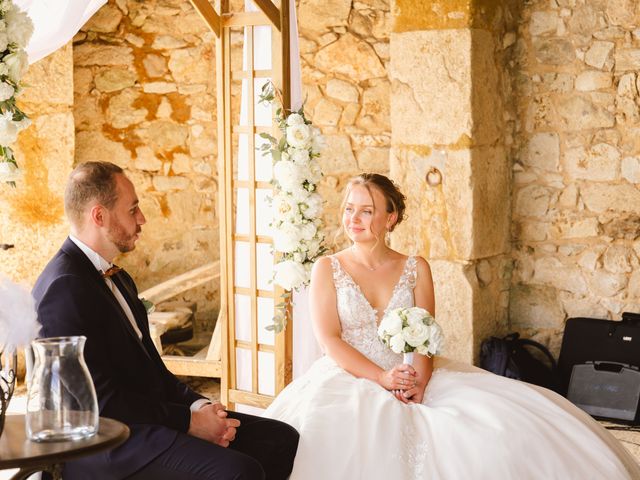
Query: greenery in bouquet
{"points": [[411, 329], [296, 204], [16, 29]]}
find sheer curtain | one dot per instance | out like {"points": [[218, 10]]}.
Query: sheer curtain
{"points": [[55, 22]]}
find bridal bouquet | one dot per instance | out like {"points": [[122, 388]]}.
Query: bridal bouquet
{"points": [[16, 29], [18, 320], [413, 329]]}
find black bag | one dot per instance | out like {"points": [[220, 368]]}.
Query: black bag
{"points": [[509, 356]]}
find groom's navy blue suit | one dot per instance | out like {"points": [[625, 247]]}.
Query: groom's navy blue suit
{"points": [[132, 383]]}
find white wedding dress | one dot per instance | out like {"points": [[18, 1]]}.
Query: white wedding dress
{"points": [[472, 425]]}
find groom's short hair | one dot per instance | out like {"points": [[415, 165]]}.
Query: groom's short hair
{"points": [[90, 181]]}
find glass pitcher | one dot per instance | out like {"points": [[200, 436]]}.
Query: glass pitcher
{"points": [[62, 402]]}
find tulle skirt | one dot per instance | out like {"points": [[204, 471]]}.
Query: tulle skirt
{"points": [[472, 425]]}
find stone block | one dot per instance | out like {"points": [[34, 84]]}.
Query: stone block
{"points": [[583, 21], [627, 86], [551, 272], [554, 51], [535, 307], [373, 159], [579, 306], [580, 112], [105, 20], [167, 42], [87, 113], [121, 113], [351, 57], [326, 113], [625, 13], [543, 23], [96, 147], [87, 54], [630, 169], [155, 65], [49, 82], [114, 79], [598, 54], [146, 160], [601, 163], [619, 259], [627, 59], [593, 80], [192, 65], [605, 284], [342, 90], [159, 87], [374, 115], [337, 158], [166, 184], [533, 201], [571, 226], [165, 135], [543, 151], [318, 17], [600, 198]]}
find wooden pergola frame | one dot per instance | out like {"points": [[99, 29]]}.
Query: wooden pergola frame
{"points": [[220, 360]]}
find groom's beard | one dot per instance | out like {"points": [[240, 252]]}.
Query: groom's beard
{"points": [[123, 241]]}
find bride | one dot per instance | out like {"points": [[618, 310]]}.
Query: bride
{"points": [[363, 414]]}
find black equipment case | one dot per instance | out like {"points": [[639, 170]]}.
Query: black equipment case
{"points": [[606, 357]]}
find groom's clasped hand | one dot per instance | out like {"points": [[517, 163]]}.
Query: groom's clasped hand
{"points": [[403, 381], [211, 423]]}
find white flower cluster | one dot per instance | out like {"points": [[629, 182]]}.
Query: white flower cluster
{"points": [[18, 320], [16, 29], [296, 204], [411, 330]]}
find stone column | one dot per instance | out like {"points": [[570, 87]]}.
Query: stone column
{"points": [[32, 213], [448, 112]]}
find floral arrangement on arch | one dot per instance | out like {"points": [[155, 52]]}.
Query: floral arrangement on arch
{"points": [[296, 204], [16, 29]]}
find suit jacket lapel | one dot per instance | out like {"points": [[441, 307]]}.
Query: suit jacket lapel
{"points": [[72, 250]]}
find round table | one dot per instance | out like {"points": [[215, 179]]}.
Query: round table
{"points": [[16, 451]]}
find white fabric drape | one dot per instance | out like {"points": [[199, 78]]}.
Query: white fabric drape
{"points": [[55, 22]]}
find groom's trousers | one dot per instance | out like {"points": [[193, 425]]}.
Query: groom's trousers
{"points": [[263, 449]]}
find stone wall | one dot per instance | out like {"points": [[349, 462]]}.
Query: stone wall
{"points": [[344, 47], [144, 84], [577, 169], [31, 214]]}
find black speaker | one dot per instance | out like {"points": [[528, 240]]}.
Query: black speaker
{"points": [[606, 389]]}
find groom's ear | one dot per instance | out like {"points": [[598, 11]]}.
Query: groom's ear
{"points": [[97, 215]]}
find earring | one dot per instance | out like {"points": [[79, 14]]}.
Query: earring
{"points": [[387, 237]]}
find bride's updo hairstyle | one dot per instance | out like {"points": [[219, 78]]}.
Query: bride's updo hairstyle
{"points": [[393, 196]]}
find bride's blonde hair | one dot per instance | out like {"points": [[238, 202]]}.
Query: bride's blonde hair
{"points": [[394, 198]]}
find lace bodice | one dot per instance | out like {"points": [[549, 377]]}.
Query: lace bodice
{"points": [[359, 320]]}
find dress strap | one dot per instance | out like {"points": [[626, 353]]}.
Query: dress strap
{"points": [[340, 278], [410, 274]]}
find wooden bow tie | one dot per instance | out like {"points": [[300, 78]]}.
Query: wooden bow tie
{"points": [[111, 271]]}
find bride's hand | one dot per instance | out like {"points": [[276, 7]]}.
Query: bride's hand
{"points": [[401, 377]]}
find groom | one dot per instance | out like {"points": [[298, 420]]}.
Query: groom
{"points": [[175, 433]]}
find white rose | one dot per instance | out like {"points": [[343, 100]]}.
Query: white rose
{"points": [[288, 174], [298, 136], [423, 350], [416, 334], [8, 129], [397, 343], [315, 171], [19, 27], [317, 140], [300, 155], [391, 323], [4, 41], [286, 238], [299, 194], [24, 123], [8, 172], [313, 247], [307, 231], [295, 119], [17, 64], [416, 315], [286, 208], [312, 206], [6, 91], [4, 70], [436, 339], [289, 274]]}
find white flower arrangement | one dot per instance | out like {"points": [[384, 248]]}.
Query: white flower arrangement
{"points": [[413, 329], [16, 29], [297, 227], [18, 319]]}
